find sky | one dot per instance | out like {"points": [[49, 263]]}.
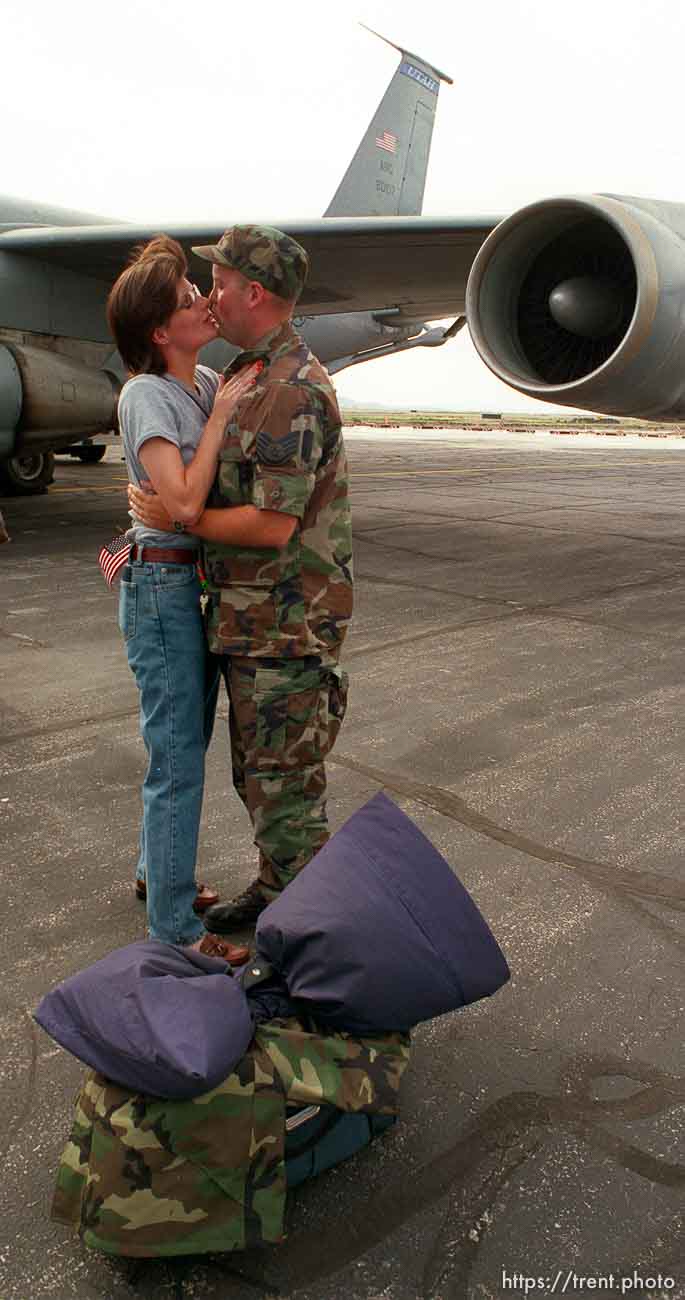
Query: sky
{"points": [[158, 110]]}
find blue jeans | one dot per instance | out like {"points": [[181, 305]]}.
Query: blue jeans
{"points": [[159, 617]]}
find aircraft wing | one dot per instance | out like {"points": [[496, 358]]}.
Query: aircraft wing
{"points": [[417, 264]]}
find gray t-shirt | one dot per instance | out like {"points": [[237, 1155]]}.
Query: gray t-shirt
{"points": [[159, 406]]}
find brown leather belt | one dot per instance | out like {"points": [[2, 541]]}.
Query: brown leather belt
{"points": [[164, 554]]}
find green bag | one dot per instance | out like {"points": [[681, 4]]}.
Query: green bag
{"points": [[144, 1177]]}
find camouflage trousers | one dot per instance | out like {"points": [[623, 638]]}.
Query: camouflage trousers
{"points": [[285, 715]]}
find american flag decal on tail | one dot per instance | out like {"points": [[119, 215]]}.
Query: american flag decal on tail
{"points": [[113, 556], [387, 141]]}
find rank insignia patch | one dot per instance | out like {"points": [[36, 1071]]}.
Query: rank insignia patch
{"points": [[277, 451]]}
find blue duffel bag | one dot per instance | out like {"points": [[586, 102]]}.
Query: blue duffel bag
{"points": [[375, 934], [318, 1137]]}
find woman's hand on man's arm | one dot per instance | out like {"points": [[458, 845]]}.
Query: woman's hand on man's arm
{"points": [[147, 508]]}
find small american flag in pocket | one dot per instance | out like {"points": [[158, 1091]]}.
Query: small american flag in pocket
{"points": [[113, 556]]}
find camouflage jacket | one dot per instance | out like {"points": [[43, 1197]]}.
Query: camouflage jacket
{"points": [[145, 1177], [283, 450]]}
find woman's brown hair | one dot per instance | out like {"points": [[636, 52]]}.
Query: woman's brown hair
{"points": [[144, 297]]}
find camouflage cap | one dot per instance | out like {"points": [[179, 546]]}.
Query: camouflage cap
{"points": [[264, 254]]}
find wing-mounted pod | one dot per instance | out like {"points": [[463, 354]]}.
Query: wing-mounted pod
{"points": [[48, 400], [11, 396], [581, 302]]}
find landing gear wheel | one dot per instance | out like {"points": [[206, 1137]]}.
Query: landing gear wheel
{"points": [[90, 455], [27, 476]]}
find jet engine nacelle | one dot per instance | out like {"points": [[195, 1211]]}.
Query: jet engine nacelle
{"points": [[49, 400], [581, 302]]}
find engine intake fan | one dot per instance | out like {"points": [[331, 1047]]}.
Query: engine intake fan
{"points": [[581, 302]]}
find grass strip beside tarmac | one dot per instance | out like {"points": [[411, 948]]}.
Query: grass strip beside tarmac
{"points": [[378, 418]]}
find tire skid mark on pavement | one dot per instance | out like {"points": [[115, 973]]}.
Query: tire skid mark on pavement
{"points": [[472, 1174], [616, 880]]}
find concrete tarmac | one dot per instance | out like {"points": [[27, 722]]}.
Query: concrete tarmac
{"points": [[517, 665]]}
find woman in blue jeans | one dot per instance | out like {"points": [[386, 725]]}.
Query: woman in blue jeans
{"points": [[172, 415]]}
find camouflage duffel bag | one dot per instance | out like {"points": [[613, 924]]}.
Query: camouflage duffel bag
{"points": [[143, 1176]]}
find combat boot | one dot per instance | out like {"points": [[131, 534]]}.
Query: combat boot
{"points": [[238, 914]]}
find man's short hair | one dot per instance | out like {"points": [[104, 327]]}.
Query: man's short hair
{"points": [[144, 297], [264, 254]]}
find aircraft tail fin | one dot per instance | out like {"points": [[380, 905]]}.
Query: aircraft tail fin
{"points": [[387, 175]]}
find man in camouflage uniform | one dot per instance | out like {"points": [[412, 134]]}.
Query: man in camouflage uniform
{"points": [[277, 558]]}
